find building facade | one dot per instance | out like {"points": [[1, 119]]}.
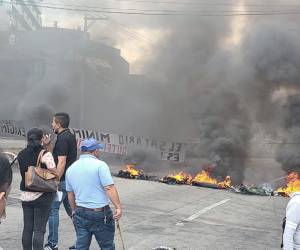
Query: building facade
{"points": [[20, 15]]}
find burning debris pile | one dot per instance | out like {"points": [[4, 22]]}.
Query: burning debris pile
{"points": [[180, 178], [202, 179], [131, 173], [205, 179], [292, 185]]}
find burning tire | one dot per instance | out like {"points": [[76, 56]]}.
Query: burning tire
{"points": [[173, 181], [126, 174], [206, 185]]}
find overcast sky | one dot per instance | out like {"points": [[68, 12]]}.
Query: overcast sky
{"points": [[138, 36], [135, 35]]}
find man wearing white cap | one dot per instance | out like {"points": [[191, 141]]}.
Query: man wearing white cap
{"points": [[90, 187]]}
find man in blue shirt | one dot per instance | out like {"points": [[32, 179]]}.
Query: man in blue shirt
{"points": [[90, 188]]}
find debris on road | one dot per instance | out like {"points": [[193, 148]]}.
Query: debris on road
{"points": [[252, 190], [164, 248]]}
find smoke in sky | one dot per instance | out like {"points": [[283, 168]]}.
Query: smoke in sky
{"points": [[206, 79]]}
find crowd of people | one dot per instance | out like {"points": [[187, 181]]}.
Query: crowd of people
{"points": [[86, 189]]}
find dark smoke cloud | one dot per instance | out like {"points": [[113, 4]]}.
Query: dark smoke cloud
{"points": [[196, 87], [38, 115], [288, 154], [187, 94], [292, 112], [224, 132], [197, 70], [224, 90], [271, 55]]}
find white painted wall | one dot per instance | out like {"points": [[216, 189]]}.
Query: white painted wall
{"points": [[4, 18]]}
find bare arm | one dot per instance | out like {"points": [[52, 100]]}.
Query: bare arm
{"points": [[114, 197], [61, 165], [71, 198]]}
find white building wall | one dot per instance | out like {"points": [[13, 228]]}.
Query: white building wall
{"points": [[19, 17], [4, 18]]}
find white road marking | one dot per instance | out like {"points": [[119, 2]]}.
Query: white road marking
{"points": [[202, 211], [230, 225]]}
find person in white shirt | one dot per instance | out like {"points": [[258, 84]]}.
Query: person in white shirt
{"points": [[291, 235]]}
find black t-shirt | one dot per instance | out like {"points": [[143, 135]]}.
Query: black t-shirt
{"points": [[65, 145], [28, 157]]}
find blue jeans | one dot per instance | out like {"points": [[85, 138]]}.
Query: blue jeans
{"points": [[99, 224], [54, 215]]}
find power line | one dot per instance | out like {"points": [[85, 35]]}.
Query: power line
{"points": [[130, 31], [195, 3], [133, 34], [143, 13], [173, 11], [130, 9], [204, 3]]}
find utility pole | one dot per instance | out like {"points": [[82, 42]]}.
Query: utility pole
{"points": [[89, 21], [82, 89]]}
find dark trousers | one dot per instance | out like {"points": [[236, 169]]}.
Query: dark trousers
{"points": [[99, 224], [36, 214]]}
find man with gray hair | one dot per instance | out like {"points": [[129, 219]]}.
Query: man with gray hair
{"points": [[90, 188]]}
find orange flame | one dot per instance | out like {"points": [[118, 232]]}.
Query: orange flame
{"points": [[182, 177], [130, 168], [293, 184], [204, 177], [226, 183]]}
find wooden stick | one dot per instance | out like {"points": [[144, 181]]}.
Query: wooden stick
{"points": [[119, 229]]}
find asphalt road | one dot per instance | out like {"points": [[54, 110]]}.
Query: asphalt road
{"points": [[185, 217]]}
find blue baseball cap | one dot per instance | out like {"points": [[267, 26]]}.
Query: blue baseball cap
{"points": [[90, 144]]}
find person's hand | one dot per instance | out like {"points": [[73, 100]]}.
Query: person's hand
{"points": [[118, 213], [2, 204], [73, 216], [46, 140], [78, 141]]}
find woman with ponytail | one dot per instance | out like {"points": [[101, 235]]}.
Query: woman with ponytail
{"points": [[36, 205]]}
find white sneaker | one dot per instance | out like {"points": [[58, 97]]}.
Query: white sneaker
{"points": [[48, 247]]}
